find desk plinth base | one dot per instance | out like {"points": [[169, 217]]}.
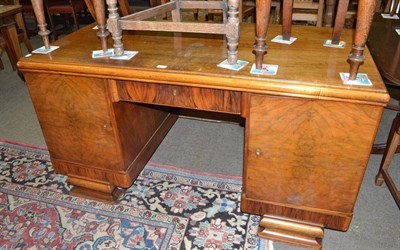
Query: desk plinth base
{"points": [[291, 231], [116, 194], [292, 224]]}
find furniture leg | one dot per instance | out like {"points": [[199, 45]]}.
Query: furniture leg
{"points": [[99, 8], [124, 6], [287, 19], [11, 56], [74, 17], [91, 8], [10, 35], [21, 24], [263, 8], [395, 6], [41, 21], [390, 150], [339, 21], [383, 174], [114, 27], [232, 32], [365, 14], [330, 9], [278, 13]]}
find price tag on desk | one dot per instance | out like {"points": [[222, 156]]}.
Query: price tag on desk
{"points": [[279, 39], [388, 16], [126, 56], [267, 69], [361, 79], [101, 53], [43, 50], [397, 31], [340, 45], [238, 66]]}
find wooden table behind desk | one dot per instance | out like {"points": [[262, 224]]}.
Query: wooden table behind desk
{"points": [[308, 136], [9, 31]]}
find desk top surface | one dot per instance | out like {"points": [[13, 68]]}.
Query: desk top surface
{"points": [[384, 45], [306, 68]]}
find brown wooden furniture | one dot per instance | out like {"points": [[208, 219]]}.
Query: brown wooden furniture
{"points": [[2, 47], [123, 7], [29, 15], [246, 12], [392, 6], [9, 32], [308, 136], [384, 44], [308, 11], [137, 21], [21, 27], [64, 8], [365, 12]]}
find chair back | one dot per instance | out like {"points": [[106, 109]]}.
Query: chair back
{"points": [[309, 11]]}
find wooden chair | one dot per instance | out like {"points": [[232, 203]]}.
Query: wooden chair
{"points": [[275, 4], [21, 30], [392, 145], [64, 8], [308, 11], [246, 12], [21, 27]]}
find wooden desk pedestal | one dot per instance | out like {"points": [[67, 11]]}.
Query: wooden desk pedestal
{"points": [[307, 136]]}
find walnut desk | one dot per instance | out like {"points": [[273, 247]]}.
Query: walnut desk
{"points": [[308, 137]]}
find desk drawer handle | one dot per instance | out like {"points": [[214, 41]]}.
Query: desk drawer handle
{"points": [[174, 92], [258, 152]]}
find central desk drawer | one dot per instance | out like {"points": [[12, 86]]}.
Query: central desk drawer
{"points": [[225, 101]]}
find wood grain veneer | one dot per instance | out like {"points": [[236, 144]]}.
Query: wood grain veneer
{"points": [[179, 96], [304, 153], [306, 68], [307, 135], [99, 143]]}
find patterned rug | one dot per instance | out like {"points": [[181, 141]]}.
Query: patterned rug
{"points": [[166, 208]]}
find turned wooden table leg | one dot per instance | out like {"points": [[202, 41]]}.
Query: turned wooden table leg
{"points": [[41, 21], [114, 27], [365, 14], [99, 8], [263, 8], [287, 19], [232, 30], [339, 21]]}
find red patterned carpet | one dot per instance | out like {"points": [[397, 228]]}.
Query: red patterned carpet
{"points": [[166, 208]]}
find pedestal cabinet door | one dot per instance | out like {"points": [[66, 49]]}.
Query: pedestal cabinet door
{"points": [[75, 119], [306, 153]]}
